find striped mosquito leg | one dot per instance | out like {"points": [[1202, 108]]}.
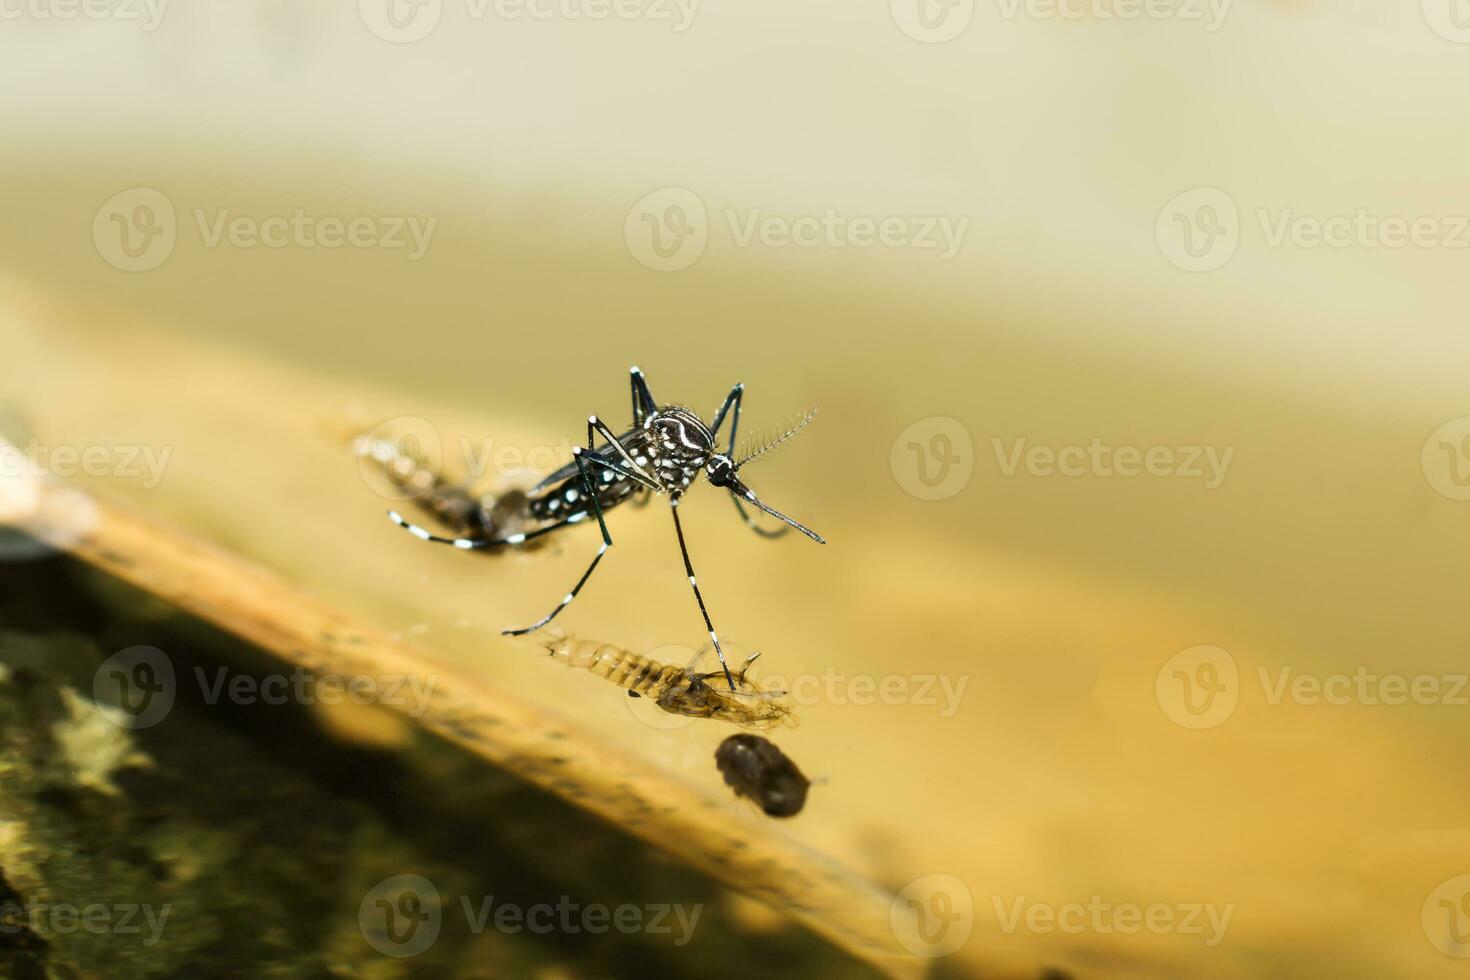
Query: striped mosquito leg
{"points": [[466, 544], [643, 402], [694, 584], [629, 468], [590, 493], [732, 408]]}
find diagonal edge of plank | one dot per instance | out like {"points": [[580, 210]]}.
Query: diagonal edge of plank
{"points": [[252, 603]]}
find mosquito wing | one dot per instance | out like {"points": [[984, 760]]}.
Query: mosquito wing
{"points": [[635, 441]]}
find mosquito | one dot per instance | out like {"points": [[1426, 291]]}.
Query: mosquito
{"points": [[661, 454]]}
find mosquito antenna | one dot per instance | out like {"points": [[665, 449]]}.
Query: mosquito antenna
{"points": [[762, 445]]}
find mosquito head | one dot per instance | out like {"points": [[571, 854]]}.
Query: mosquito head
{"points": [[720, 469]]}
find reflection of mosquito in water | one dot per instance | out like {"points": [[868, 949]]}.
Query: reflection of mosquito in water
{"points": [[662, 453], [679, 690]]}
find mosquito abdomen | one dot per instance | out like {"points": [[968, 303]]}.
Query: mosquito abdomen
{"points": [[624, 668]]}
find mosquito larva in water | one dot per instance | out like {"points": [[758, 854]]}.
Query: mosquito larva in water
{"points": [[759, 771], [679, 690]]}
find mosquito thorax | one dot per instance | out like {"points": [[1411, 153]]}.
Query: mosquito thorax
{"points": [[681, 444]]}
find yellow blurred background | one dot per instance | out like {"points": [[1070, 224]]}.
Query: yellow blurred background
{"points": [[1134, 264]]}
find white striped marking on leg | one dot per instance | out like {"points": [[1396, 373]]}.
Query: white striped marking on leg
{"points": [[423, 534]]}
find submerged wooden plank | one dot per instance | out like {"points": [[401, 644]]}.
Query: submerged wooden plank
{"points": [[536, 745]]}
